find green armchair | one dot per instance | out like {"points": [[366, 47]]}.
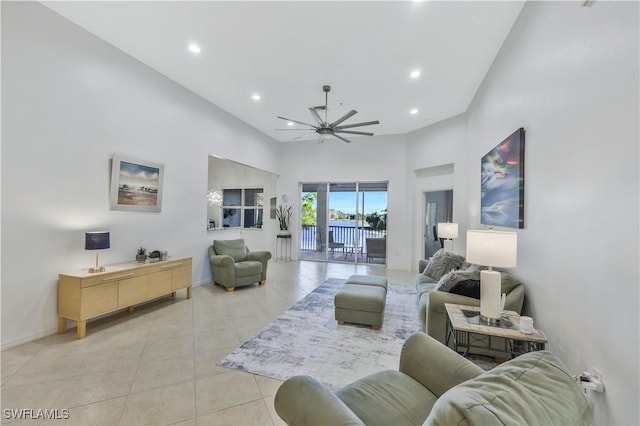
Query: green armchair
{"points": [[436, 386], [234, 265]]}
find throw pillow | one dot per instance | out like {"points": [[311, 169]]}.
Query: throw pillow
{"points": [[450, 280], [441, 263], [469, 288]]}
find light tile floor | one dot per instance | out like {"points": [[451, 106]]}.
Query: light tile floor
{"points": [[158, 365]]}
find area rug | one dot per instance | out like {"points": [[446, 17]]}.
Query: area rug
{"points": [[306, 339]]}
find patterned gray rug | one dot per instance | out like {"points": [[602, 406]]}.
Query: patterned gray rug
{"points": [[306, 339]]}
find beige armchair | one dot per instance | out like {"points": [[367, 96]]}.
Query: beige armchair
{"points": [[234, 265]]}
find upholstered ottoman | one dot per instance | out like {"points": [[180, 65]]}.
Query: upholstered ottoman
{"points": [[361, 301], [368, 280]]}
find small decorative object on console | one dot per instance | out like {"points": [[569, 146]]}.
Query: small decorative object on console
{"points": [[154, 256], [141, 256]]}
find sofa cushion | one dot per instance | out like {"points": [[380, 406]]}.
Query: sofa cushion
{"points": [[441, 263], [469, 288], [425, 287], [450, 279], [249, 268], [531, 389], [388, 398], [234, 248]]}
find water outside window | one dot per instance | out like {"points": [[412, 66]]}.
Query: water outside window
{"points": [[344, 222]]}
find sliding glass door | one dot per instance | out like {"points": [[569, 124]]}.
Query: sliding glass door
{"points": [[344, 222]]}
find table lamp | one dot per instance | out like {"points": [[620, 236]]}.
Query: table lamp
{"points": [[96, 240], [492, 249], [448, 231]]}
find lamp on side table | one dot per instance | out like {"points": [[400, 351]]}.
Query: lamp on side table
{"points": [[492, 249], [96, 240], [448, 231]]}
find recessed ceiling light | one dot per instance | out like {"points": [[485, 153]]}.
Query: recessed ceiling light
{"points": [[255, 97], [414, 111], [415, 74], [290, 123], [194, 48]]}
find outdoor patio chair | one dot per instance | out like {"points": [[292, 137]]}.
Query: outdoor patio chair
{"points": [[334, 245], [376, 248]]}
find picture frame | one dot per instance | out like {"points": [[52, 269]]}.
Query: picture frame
{"points": [[502, 183], [136, 185]]}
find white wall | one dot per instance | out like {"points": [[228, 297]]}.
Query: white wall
{"points": [[370, 159], [569, 75], [435, 159], [69, 102]]}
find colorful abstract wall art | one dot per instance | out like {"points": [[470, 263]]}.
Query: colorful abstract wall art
{"points": [[502, 183]]}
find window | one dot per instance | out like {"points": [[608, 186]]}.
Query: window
{"points": [[242, 208]]}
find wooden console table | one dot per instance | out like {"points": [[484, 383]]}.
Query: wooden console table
{"points": [[83, 295]]}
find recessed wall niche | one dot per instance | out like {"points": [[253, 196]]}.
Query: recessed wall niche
{"points": [[228, 174]]}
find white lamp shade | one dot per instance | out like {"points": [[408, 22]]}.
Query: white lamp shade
{"points": [[447, 230], [492, 248]]}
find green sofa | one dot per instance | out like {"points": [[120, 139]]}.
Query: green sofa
{"points": [[436, 386], [431, 310], [234, 265]]}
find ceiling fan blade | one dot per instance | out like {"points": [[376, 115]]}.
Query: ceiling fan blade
{"points": [[344, 117], [341, 138], [366, 123], [316, 116], [295, 121], [322, 138], [301, 136], [354, 133]]}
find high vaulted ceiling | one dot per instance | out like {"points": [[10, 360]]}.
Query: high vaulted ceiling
{"points": [[286, 51]]}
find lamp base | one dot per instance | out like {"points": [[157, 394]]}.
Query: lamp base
{"points": [[490, 301], [489, 320], [448, 245], [94, 270]]}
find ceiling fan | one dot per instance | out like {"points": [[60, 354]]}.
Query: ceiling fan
{"points": [[324, 128]]}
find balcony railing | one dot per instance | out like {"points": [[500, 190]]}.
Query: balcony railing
{"points": [[314, 239]]}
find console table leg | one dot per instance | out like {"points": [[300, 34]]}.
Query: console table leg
{"points": [[82, 329], [62, 325], [189, 292]]}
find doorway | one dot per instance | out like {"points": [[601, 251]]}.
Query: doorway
{"points": [[438, 208], [344, 222]]}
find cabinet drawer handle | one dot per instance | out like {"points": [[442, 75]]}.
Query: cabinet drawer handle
{"points": [[119, 277], [171, 266]]}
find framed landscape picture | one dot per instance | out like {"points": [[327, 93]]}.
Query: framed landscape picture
{"points": [[502, 183], [136, 185]]}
